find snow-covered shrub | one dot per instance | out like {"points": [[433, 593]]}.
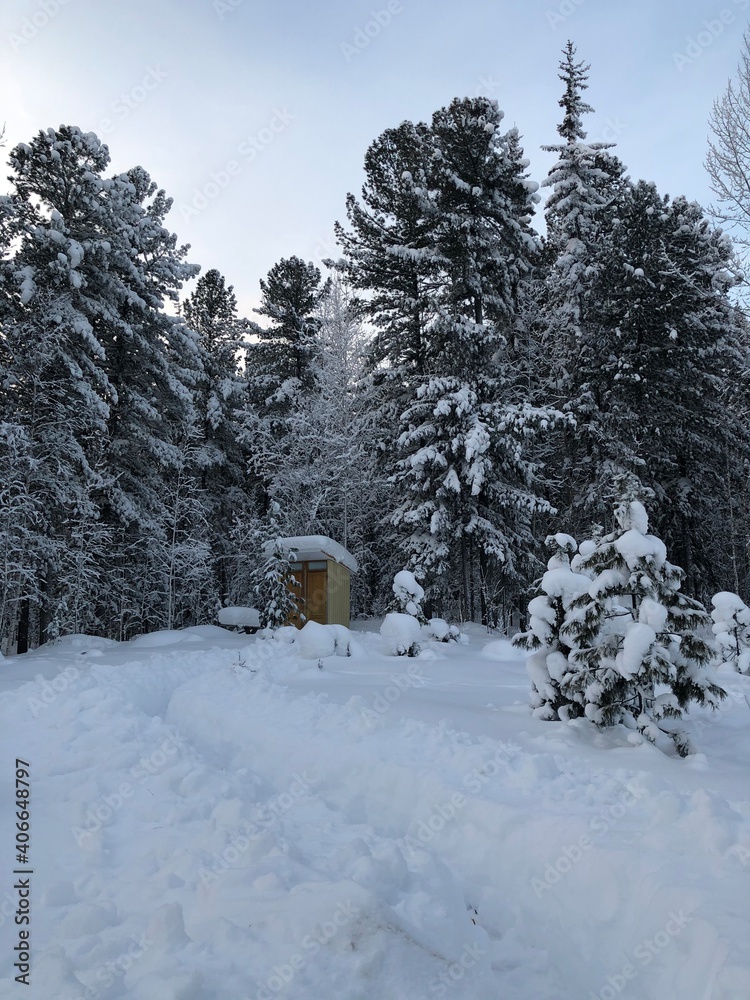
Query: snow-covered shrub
{"points": [[731, 627], [409, 594], [637, 656], [548, 665], [401, 634], [438, 630], [316, 641], [343, 640]]}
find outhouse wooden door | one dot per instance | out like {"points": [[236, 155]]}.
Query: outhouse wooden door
{"points": [[316, 607], [312, 588]]}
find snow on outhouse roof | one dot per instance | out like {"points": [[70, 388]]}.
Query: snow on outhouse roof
{"points": [[310, 547]]}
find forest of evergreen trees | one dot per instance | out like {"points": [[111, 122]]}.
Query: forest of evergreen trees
{"points": [[460, 388]]}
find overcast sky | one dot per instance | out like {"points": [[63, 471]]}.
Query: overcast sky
{"points": [[255, 116]]}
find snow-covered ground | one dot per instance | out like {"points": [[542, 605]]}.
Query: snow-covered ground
{"points": [[215, 816]]}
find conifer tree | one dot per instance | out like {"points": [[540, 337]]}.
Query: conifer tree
{"points": [[468, 490], [226, 486], [104, 377], [276, 586], [637, 653], [731, 617], [290, 295], [548, 665], [585, 188]]}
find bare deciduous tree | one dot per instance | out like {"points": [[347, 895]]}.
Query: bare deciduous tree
{"points": [[728, 158]]}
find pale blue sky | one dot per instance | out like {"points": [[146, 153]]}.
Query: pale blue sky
{"points": [[276, 100]]}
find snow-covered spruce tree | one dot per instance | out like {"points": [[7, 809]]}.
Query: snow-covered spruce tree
{"points": [[95, 265], [637, 656], [409, 595], [389, 261], [153, 363], [585, 186], [548, 664], [221, 459], [389, 249], [278, 366], [466, 489], [54, 388], [731, 617], [275, 583], [667, 402]]}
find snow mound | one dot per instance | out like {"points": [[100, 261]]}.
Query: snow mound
{"points": [[499, 649], [164, 637], [316, 641], [78, 642], [401, 633], [239, 617]]}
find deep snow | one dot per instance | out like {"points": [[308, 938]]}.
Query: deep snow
{"points": [[217, 816]]}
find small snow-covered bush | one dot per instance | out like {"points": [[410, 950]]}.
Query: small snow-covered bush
{"points": [[731, 617], [438, 630], [316, 641], [409, 594], [343, 639], [401, 634]]}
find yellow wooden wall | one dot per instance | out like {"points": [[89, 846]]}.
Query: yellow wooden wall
{"points": [[338, 594]]}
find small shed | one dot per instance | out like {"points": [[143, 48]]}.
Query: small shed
{"points": [[323, 570]]}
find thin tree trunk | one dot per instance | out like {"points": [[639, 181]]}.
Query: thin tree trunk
{"points": [[22, 644]]}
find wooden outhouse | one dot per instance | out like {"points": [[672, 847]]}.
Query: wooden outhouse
{"points": [[322, 569]]}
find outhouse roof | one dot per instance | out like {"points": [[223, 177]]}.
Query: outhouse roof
{"points": [[311, 547]]}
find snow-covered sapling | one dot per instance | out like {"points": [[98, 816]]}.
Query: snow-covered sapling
{"points": [[548, 665], [731, 627], [409, 594], [637, 656], [275, 590]]}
